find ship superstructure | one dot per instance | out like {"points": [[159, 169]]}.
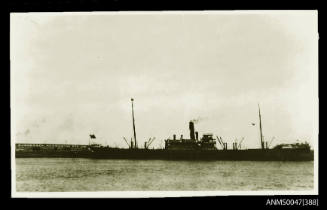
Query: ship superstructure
{"points": [[207, 142]]}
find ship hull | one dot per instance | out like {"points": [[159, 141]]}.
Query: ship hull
{"points": [[158, 154]]}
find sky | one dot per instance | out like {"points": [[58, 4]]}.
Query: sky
{"points": [[73, 74]]}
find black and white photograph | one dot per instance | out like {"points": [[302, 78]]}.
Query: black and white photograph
{"points": [[164, 103]]}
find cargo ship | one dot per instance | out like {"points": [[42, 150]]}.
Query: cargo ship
{"points": [[194, 148]]}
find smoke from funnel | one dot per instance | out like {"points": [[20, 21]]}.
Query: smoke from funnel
{"points": [[197, 120], [25, 133]]}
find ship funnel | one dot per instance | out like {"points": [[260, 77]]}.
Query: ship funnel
{"points": [[191, 126]]}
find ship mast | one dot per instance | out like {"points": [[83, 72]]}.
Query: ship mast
{"points": [[134, 123], [261, 137]]}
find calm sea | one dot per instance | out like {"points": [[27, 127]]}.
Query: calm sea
{"points": [[63, 174]]}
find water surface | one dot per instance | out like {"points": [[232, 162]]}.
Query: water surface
{"points": [[78, 174]]}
